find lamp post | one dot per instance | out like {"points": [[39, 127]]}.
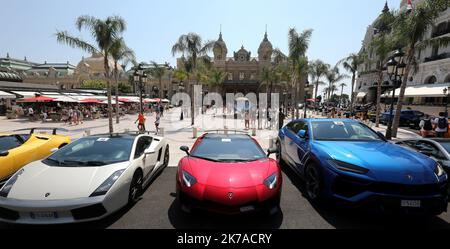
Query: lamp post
{"points": [[305, 104], [395, 69], [446, 95], [140, 78]]}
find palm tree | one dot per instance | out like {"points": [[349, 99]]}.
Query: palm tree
{"points": [[382, 45], [216, 79], [298, 45], [104, 32], [192, 45], [351, 64], [409, 28], [158, 71], [342, 85], [317, 70], [333, 76], [120, 52]]}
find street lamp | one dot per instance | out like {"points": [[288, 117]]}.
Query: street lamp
{"points": [[396, 70], [305, 104], [446, 95], [140, 78]]}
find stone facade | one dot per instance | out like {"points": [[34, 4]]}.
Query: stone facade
{"points": [[433, 64]]}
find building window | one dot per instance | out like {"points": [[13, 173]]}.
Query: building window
{"points": [[241, 76], [230, 76], [431, 80], [252, 76]]}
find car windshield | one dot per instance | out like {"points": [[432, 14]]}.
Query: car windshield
{"points": [[228, 149], [9, 142], [342, 131], [93, 151]]}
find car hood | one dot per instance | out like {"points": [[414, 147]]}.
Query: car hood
{"points": [[39, 180], [230, 175], [385, 161]]}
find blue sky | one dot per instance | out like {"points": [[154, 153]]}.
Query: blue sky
{"points": [[153, 26]]}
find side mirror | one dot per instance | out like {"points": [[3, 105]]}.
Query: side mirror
{"points": [[149, 151], [4, 153], [381, 136], [185, 149], [301, 133], [272, 151], [53, 150]]}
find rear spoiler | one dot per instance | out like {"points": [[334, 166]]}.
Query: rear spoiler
{"points": [[43, 129]]}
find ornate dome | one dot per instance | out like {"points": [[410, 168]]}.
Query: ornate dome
{"points": [[95, 64], [265, 48], [242, 54], [220, 48]]}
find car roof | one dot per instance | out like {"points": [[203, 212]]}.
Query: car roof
{"points": [[214, 135], [116, 135], [327, 120]]}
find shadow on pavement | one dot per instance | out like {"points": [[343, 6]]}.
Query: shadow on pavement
{"points": [[205, 220], [350, 218]]}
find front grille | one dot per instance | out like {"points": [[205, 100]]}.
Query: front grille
{"points": [[408, 190], [88, 212], [349, 187], [8, 214]]}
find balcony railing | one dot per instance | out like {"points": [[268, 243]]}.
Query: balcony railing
{"points": [[437, 57], [440, 32]]}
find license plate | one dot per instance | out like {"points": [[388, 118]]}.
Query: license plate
{"points": [[43, 215], [411, 203], [247, 209]]}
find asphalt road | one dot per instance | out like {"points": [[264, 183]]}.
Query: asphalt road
{"points": [[158, 209]]}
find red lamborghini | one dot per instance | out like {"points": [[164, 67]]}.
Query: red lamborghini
{"points": [[228, 174]]}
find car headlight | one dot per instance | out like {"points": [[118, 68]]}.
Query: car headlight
{"points": [[107, 184], [348, 167], [439, 170], [188, 179], [8, 185], [271, 181]]}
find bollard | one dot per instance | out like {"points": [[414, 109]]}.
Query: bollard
{"points": [[87, 132], [194, 132], [253, 132], [226, 130], [161, 132], [127, 130]]}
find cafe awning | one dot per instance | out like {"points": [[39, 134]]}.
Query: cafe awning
{"points": [[5, 95], [361, 95], [427, 90]]}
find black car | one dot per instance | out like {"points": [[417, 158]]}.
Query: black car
{"points": [[409, 118]]}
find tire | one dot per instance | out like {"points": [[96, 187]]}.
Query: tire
{"points": [[313, 183], [135, 191], [166, 157], [280, 160]]}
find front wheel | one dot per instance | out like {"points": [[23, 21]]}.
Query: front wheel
{"points": [[313, 182], [280, 160], [135, 188]]}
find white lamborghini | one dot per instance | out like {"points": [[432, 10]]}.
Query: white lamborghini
{"points": [[85, 180]]}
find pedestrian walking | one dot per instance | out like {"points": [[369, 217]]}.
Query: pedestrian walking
{"points": [[157, 121], [281, 117], [141, 122], [247, 119], [426, 127], [441, 125]]}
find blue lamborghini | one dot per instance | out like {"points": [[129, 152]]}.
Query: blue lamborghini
{"points": [[346, 161]]}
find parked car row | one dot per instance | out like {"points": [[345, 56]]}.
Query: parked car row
{"points": [[339, 160]]}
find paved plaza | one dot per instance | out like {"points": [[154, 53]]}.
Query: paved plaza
{"points": [[176, 131]]}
